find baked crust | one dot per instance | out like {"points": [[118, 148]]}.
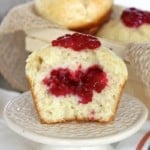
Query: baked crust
{"points": [[94, 26], [83, 16]]}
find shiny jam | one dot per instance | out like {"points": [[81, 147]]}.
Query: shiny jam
{"points": [[81, 83], [77, 42], [134, 18]]}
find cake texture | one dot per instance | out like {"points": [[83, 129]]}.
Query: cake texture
{"points": [[75, 78], [85, 15], [133, 25]]}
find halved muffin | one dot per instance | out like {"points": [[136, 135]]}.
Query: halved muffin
{"points": [[75, 78]]}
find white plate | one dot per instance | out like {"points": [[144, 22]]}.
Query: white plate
{"points": [[21, 117]]}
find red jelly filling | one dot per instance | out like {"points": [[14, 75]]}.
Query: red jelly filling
{"points": [[133, 17], [77, 42], [63, 81]]}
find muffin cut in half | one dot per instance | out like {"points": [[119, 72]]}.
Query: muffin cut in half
{"points": [[75, 78]]}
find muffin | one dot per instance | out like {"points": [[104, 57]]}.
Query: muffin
{"points": [[133, 25], [76, 78], [85, 16]]}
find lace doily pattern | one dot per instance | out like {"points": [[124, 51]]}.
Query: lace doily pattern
{"points": [[20, 115]]}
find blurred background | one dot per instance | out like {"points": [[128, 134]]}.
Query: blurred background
{"points": [[5, 5]]}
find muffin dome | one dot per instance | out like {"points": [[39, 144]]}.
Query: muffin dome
{"points": [[133, 25], [75, 14]]}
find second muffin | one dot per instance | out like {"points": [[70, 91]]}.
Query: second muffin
{"points": [[132, 25]]}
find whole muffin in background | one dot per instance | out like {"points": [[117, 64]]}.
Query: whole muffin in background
{"points": [[79, 15], [132, 25]]}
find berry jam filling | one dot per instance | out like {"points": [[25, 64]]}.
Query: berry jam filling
{"points": [[63, 81], [134, 18], [77, 42]]}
